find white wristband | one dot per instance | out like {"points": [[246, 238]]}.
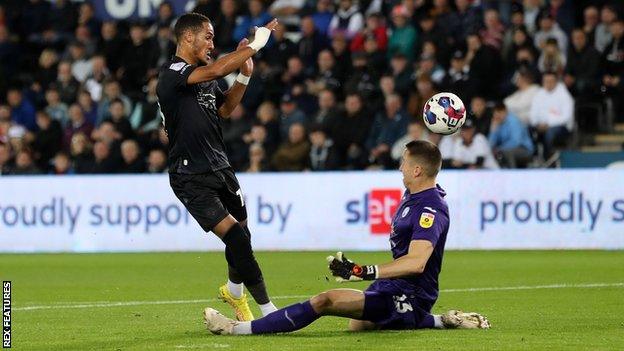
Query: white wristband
{"points": [[243, 79], [260, 38]]}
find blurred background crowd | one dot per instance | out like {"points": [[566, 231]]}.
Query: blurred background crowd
{"points": [[340, 86]]}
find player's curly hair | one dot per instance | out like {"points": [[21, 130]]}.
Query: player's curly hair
{"points": [[190, 21], [427, 155]]}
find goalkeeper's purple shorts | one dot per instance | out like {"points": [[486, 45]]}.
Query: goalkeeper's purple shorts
{"points": [[390, 306]]}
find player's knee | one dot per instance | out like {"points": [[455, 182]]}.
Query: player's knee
{"points": [[321, 302]]}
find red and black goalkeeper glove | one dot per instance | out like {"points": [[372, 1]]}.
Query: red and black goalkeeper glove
{"points": [[346, 271]]}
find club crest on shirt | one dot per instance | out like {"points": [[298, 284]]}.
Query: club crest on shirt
{"points": [[405, 212], [426, 220], [177, 66]]}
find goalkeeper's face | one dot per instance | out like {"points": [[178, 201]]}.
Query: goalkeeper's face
{"points": [[203, 43]]}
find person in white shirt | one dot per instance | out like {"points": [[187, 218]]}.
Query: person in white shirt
{"points": [[472, 150], [552, 113], [519, 103]]}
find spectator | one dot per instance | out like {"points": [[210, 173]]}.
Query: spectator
{"points": [[361, 80], [294, 73], [163, 45], [563, 12], [62, 164], [551, 59], [403, 38], [531, 14], [47, 70], [472, 150], [81, 153], [485, 66], [613, 77], [327, 77], [103, 161], [551, 113], [428, 67], [376, 58], [157, 161], [112, 91], [312, 42], [510, 139], [88, 106], [257, 159], [402, 74], [165, 17], [281, 51], [374, 29], [234, 129], [287, 11], [290, 115], [415, 131], [66, 84], [292, 155], [458, 80], [548, 28], [323, 156], [86, 17], [55, 107], [327, 108], [80, 65], [431, 32], [48, 140], [583, 67], [603, 37], [347, 20], [349, 131], [387, 128], [22, 110], [99, 73], [24, 164], [146, 116], [342, 54], [5, 159], [590, 23], [519, 103], [267, 117], [424, 91], [467, 19], [323, 16], [257, 18], [78, 124], [111, 45], [494, 31], [520, 41], [119, 119], [131, 154], [480, 114], [224, 26], [139, 57]]}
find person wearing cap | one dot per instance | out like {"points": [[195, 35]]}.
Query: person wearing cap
{"points": [[510, 139], [472, 150], [403, 38], [548, 28]]}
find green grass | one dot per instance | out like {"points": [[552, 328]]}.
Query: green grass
{"points": [[538, 319]]}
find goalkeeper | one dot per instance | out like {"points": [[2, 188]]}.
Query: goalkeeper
{"points": [[404, 290]]}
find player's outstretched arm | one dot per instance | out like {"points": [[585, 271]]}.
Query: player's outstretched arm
{"points": [[232, 61], [234, 95], [413, 263]]}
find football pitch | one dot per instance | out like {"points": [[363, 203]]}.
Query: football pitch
{"points": [[535, 300]]}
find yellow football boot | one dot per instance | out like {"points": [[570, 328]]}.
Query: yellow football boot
{"points": [[240, 306]]}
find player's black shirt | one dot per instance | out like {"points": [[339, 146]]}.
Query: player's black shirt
{"points": [[191, 120]]}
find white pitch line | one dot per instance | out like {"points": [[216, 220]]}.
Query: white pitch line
{"points": [[77, 305]]}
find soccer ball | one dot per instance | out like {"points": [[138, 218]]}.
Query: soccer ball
{"points": [[444, 113]]}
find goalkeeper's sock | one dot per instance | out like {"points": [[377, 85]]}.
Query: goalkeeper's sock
{"points": [[267, 308], [431, 321], [291, 318], [235, 289]]}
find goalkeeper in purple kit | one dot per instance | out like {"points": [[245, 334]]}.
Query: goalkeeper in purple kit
{"points": [[404, 290]]}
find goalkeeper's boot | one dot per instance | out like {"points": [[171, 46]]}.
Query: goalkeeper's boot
{"points": [[454, 319], [240, 306], [218, 323]]}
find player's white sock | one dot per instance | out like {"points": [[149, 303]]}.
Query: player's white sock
{"points": [[437, 321], [241, 328], [267, 308], [236, 290]]}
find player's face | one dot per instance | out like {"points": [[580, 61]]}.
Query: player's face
{"points": [[408, 168], [203, 44]]}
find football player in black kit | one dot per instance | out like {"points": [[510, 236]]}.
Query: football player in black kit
{"points": [[199, 171]]}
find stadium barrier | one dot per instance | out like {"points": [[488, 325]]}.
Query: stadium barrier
{"points": [[537, 209]]}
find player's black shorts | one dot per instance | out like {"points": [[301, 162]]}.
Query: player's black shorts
{"points": [[210, 197]]}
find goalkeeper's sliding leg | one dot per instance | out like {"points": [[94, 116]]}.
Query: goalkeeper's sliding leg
{"points": [[372, 309]]}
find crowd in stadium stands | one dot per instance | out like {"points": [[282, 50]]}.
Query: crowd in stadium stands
{"points": [[340, 86]]}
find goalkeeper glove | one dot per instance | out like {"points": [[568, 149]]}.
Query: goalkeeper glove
{"points": [[346, 271]]}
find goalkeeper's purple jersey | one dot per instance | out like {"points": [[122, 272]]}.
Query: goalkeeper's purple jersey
{"points": [[421, 216]]}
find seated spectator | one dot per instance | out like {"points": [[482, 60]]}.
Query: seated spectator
{"points": [[323, 16], [78, 124], [119, 120], [376, 58], [146, 116], [494, 31], [472, 150], [22, 110], [132, 160], [139, 58], [548, 28], [403, 38], [234, 129], [66, 84], [361, 78], [519, 103], [467, 19], [311, 43], [80, 64], [257, 17], [46, 71], [62, 164], [104, 162], [608, 15], [267, 117], [224, 25], [327, 76], [286, 11], [292, 155], [583, 67], [415, 131], [375, 29], [48, 140], [257, 159], [510, 139], [258, 135], [551, 59], [387, 128], [112, 91], [323, 156], [552, 113], [349, 131], [403, 74], [457, 79], [485, 66], [6, 159], [88, 106], [327, 108], [428, 67], [424, 91], [290, 115], [278, 54], [591, 18], [431, 32], [613, 75], [81, 153], [531, 13], [157, 161], [24, 164], [347, 20], [94, 82], [111, 44], [55, 107], [340, 48]]}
